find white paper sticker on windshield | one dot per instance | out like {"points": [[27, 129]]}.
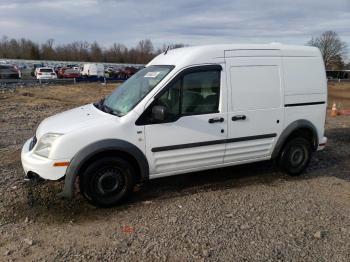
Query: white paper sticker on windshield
{"points": [[152, 74]]}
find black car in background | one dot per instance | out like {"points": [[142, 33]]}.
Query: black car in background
{"points": [[9, 72]]}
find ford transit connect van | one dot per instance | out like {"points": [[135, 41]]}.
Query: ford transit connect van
{"points": [[189, 109], [93, 70]]}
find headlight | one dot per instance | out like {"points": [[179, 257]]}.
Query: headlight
{"points": [[44, 144]]}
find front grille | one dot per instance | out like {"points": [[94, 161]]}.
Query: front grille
{"points": [[32, 143]]}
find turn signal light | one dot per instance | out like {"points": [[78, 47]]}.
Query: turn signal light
{"points": [[61, 164]]}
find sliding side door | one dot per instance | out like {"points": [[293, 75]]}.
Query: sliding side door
{"points": [[256, 112]]}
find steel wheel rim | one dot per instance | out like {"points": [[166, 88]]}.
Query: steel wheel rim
{"points": [[297, 156], [109, 181]]}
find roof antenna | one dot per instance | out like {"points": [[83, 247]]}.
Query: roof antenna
{"points": [[167, 49]]}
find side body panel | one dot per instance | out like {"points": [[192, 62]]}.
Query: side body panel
{"points": [[305, 91], [256, 93]]}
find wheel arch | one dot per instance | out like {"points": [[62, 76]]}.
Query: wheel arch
{"points": [[302, 128], [115, 147]]}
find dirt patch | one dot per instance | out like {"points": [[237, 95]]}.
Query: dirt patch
{"points": [[250, 212], [339, 93]]}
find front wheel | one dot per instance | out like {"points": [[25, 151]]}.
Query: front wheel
{"points": [[107, 181], [295, 156]]}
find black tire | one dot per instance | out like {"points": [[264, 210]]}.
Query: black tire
{"points": [[107, 181], [295, 156]]}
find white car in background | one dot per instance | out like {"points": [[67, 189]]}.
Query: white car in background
{"points": [[45, 73]]}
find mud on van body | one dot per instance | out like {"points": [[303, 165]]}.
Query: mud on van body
{"points": [[189, 109]]}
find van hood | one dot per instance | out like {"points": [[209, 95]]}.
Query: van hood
{"points": [[74, 119]]}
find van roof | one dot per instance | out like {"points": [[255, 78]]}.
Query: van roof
{"points": [[206, 53]]}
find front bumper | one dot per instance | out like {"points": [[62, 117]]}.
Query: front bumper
{"points": [[41, 166], [322, 143]]}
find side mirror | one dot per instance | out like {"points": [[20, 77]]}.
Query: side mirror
{"points": [[159, 113]]}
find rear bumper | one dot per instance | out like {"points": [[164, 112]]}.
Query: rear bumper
{"points": [[35, 165], [322, 143], [70, 76], [46, 77]]}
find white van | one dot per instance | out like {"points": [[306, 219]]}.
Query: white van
{"points": [[189, 109], [91, 70]]}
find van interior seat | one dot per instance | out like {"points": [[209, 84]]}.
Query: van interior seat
{"points": [[190, 101], [191, 95], [210, 103], [196, 97], [210, 97]]}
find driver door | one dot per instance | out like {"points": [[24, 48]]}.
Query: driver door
{"points": [[192, 135]]}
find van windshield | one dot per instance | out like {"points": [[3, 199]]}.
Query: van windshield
{"points": [[131, 92]]}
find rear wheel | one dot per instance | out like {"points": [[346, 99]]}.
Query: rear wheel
{"points": [[107, 181], [295, 156]]}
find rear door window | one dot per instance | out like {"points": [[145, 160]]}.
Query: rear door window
{"points": [[46, 70], [5, 67]]}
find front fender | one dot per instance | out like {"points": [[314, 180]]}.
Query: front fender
{"points": [[81, 158]]}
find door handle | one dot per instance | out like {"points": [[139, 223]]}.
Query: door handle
{"points": [[216, 120], [239, 117]]}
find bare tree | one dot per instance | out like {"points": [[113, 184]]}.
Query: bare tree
{"points": [[96, 52], [47, 50], [144, 51], [332, 48], [116, 53]]}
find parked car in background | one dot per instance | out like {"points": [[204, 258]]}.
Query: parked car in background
{"points": [[9, 72], [60, 71], [74, 66], [127, 72], [93, 70], [35, 66], [45, 73], [57, 69], [66, 72], [112, 71]]}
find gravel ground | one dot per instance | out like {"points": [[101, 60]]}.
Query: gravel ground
{"points": [[241, 213]]}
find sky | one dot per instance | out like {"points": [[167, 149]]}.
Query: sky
{"points": [[191, 22]]}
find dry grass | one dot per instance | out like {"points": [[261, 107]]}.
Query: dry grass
{"points": [[339, 93], [66, 94]]}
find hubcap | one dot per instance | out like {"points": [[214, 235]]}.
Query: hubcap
{"points": [[109, 181], [297, 156]]}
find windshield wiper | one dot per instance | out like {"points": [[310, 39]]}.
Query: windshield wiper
{"points": [[100, 105]]}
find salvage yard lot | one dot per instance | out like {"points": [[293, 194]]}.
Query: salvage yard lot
{"points": [[250, 212]]}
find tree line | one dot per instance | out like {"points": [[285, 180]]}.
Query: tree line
{"points": [[333, 50], [23, 48]]}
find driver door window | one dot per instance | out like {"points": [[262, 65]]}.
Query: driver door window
{"points": [[194, 93]]}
